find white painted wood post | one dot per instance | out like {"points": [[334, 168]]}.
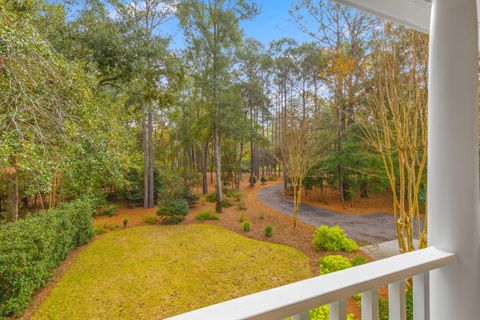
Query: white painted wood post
{"points": [[397, 306], [370, 305], [338, 310], [421, 297], [453, 192], [302, 316]]}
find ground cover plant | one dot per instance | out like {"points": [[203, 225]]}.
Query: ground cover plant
{"points": [[158, 271]]}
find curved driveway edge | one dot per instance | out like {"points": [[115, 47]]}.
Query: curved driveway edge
{"points": [[365, 228]]}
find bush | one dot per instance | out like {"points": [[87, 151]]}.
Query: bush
{"points": [[211, 197], [272, 177], [359, 260], [30, 249], [125, 222], [323, 313], [268, 231], [333, 239], [333, 263], [263, 180], [206, 215], [173, 210], [241, 205], [150, 220], [99, 230], [234, 194], [107, 210], [226, 203], [246, 226]]}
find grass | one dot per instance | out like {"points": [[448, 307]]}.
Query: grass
{"points": [[159, 271]]}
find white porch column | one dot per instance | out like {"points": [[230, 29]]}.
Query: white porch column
{"points": [[453, 192]]}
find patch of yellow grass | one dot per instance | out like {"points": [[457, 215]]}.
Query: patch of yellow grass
{"points": [[154, 272]]}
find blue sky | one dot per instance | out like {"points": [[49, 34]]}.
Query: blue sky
{"points": [[273, 22]]}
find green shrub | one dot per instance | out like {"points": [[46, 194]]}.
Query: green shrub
{"points": [[246, 226], [359, 260], [150, 220], [323, 313], [263, 180], [31, 248], [173, 210], [109, 209], [241, 205], [272, 177], [226, 203], [206, 215], [234, 194], [211, 197], [125, 222], [99, 230], [333, 263], [268, 231], [333, 239]]}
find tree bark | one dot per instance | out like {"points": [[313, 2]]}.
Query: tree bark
{"points": [[145, 163], [218, 163], [150, 161], [204, 169]]}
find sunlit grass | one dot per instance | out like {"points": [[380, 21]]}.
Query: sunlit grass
{"points": [[153, 272]]}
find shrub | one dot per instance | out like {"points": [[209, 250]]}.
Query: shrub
{"points": [[359, 260], [125, 222], [30, 249], [173, 210], [206, 215], [268, 231], [150, 220], [234, 194], [226, 203], [99, 230], [323, 313], [272, 177], [107, 210], [333, 239], [241, 205], [263, 180], [211, 197], [333, 263], [246, 226]]}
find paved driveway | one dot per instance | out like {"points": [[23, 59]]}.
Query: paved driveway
{"points": [[364, 228]]}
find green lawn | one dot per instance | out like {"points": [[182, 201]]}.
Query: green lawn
{"points": [[158, 271]]}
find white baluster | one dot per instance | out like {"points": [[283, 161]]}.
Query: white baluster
{"points": [[338, 310], [397, 308], [421, 297], [302, 316], [370, 307]]}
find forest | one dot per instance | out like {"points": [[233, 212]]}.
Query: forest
{"points": [[101, 108]]}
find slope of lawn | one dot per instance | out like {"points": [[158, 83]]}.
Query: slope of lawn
{"points": [[158, 271]]}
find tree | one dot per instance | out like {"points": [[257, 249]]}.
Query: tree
{"points": [[212, 30], [300, 151], [395, 123]]}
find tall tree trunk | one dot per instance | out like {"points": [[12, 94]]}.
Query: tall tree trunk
{"points": [[145, 163], [150, 161], [218, 163], [12, 191], [204, 168]]}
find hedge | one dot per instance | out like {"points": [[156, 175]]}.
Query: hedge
{"points": [[30, 249]]}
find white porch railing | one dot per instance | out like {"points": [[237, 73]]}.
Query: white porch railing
{"points": [[296, 299]]}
